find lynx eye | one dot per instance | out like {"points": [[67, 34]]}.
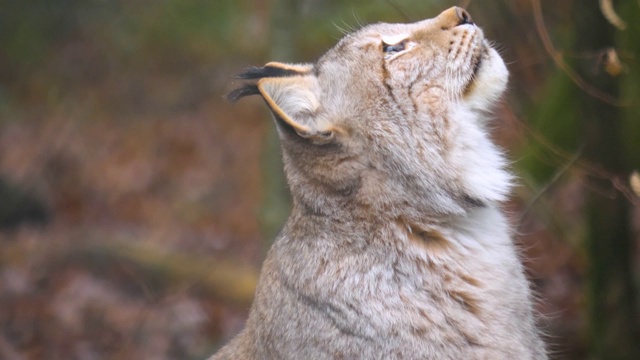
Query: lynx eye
{"points": [[393, 49]]}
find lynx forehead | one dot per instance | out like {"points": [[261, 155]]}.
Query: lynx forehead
{"points": [[448, 52], [396, 247]]}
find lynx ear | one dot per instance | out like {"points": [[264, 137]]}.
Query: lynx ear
{"points": [[270, 70], [294, 100], [300, 69]]}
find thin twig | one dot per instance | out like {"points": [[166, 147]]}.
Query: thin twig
{"points": [[546, 187], [465, 3], [561, 157], [559, 61], [397, 8], [606, 6]]}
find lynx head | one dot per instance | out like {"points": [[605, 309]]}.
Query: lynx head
{"points": [[391, 119]]}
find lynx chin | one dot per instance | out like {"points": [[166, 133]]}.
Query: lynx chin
{"points": [[396, 247]]}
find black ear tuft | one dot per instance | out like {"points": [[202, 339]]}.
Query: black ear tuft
{"points": [[245, 90], [257, 72]]}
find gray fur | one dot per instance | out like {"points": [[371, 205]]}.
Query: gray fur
{"points": [[396, 247]]}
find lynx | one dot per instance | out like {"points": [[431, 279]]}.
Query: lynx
{"points": [[396, 247]]}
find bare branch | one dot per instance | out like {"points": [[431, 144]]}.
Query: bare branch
{"points": [[397, 8], [546, 186], [465, 3], [559, 61], [634, 181], [610, 14], [561, 158]]}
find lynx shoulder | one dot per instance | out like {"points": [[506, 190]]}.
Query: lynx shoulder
{"points": [[396, 247]]}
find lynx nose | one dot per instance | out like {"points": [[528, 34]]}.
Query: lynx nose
{"points": [[455, 16], [463, 16]]}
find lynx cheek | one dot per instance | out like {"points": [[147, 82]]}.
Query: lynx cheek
{"points": [[489, 82]]}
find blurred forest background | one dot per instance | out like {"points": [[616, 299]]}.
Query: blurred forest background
{"points": [[136, 205]]}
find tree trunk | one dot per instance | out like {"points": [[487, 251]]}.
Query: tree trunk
{"points": [[613, 331]]}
